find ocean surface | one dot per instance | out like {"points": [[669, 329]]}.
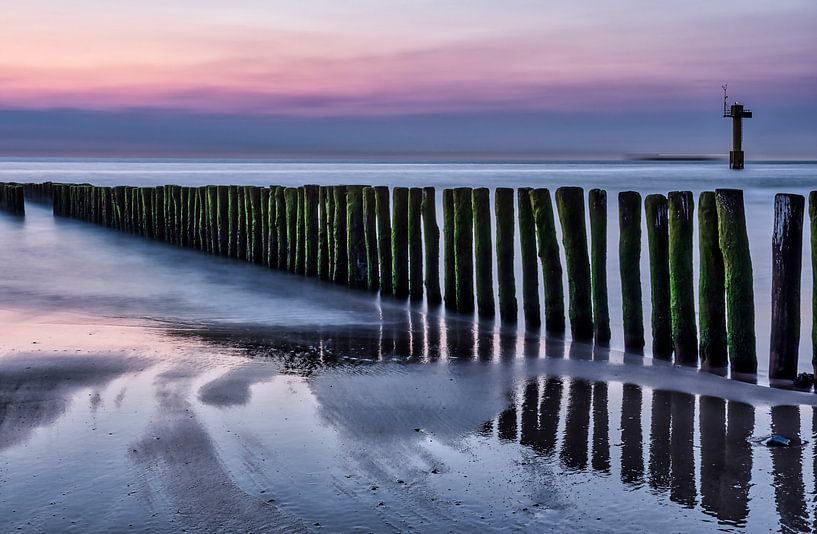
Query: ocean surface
{"points": [[214, 394]]}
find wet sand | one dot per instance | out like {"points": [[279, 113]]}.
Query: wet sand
{"points": [[110, 423]]}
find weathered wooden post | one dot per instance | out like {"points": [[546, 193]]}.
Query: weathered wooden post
{"points": [[370, 231], [135, 211], [464, 248], [203, 218], [291, 196], [300, 252], [311, 206], [415, 240], [184, 210], [483, 252], [570, 203], [223, 235], [505, 276], [787, 258], [255, 224], [358, 266], [233, 216], [530, 271], [281, 228], [340, 269], [597, 204], [657, 214], [212, 200], [330, 231], [449, 268], [399, 243], [242, 237], [629, 254], [264, 205], [431, 241], [323, 234], [740, 299], [147, 211], [551, 262], [812, 212], [682, 284]]}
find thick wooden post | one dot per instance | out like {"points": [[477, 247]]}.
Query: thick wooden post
{"points": [[787, 259], [740, 298], [431, 241], [597, 203], [464, 248], [370, 231], [300, 234], [223, 235], [449, 269], [530, 271], [629, 254], [812, 212], [570, 203], [551, 262], [254, 225], [340, 271], [682, 284], [399, 243], [323, 234], [291, 196], [147, 211], [711, 292], [311, 207], [281, 228], [263, 195], [358, 266], [657, 213], [415, 239], [505, 276], [483, 253]]}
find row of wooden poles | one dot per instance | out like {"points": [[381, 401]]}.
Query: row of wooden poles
{"points": [[12, 198], [376, 239]]}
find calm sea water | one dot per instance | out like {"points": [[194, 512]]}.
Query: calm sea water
{"points": [[236, 397]]}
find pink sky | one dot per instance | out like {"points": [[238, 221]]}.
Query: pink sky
{"points": [[367, 57]]}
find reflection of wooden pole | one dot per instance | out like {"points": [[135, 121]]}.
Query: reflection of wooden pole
{"points": [[682, 284], [655, 208], [503, 203], [711, 298], [787, 259], [570, 203], [629, 254], [597, 204], [740, 298]]}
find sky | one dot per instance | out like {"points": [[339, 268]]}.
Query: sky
{"points": [[533, 78]]}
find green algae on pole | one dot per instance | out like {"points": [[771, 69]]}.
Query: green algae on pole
{"points": [[147, 211], [330, 231], [381, 198], [597, 205], [311, 208], [431, 242], [570, 204], [548, 247], [787, 259], [812, 213], [682, 284], [323, 234], [464, 248], [449, 270], [399, 243], [530, 270], [370, 234], [223, 198], [504, 212], [483, 252], [657, 214], [740, 298], [629, 255], [300, 235], [357, 259], [291, 197], [264, 205], [415, 240], [233, 222], [281, 228], [255, 223], [340, 270]]}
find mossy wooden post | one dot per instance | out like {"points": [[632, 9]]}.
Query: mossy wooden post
{"points": [[548, 246], [323, 234], [381, 197], [135, 210], [738, 280], [147, 211], [449, 267], [233, 217], [358, 266], [340, 270], [203, 219], [281, 228], [195, 214], [212, 200], [483, 252], [264, 205], [415, 239], [255, 223], [464, 248], [431, 242], [291, 195], [399, 242], [223, 199], [242, 236], [629, 256], [812, 213], [530, 270], [300, 235], [787, 259], [184, 216], [158, 212], [597, 204], [370, 231], [570, 204], [330, 232], [657, 215], [190, 215], [119, 205], [505, 276], [311, 208], [682, 284]]}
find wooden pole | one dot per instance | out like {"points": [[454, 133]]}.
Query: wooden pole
{"points": [[505, 276], [399, 243], [256, 224], [281, 228], [358, 266], [323, 234], [415, 240], [682, 284], [449, 267], [530, 271], [597, 203], [370, 231], [300, 252], [812, 212], [223, 198], [483, 252], [629, 254], [787, 259], [330, 232], [311, 208], [291, 196], [340, 271], [656, 211], [264, 205], [570, 203], [740, 299], [234, 224], [431, 241], [551, 262], [464, 248]]}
